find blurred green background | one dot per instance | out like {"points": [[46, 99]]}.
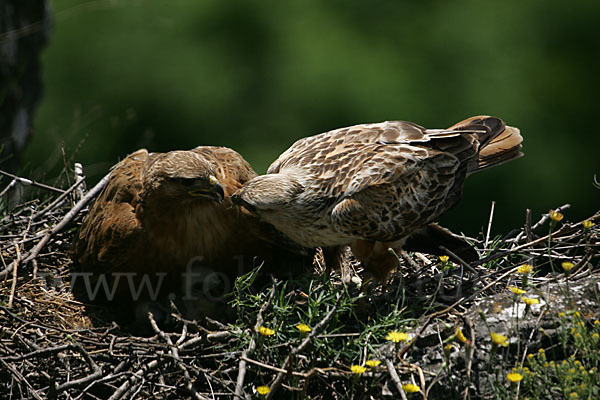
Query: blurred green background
{"points": [[257, 75]]}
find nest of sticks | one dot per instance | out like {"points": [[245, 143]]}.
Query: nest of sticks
{"points": [[52, 348]]}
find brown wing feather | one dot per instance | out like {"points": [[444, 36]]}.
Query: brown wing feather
{"points": [[399, 197], [402, 187], [111, 227]]}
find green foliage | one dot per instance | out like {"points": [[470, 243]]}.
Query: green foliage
{"points": [[574, 377], [349, 338]]}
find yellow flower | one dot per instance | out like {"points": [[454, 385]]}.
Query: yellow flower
{"points": [[596, 322], [530, 356], [514, 377], [448, 347], [444, 258], [573, 395], [555, 215], [372, 363], [587, 224], [410, 388], [529, 301], [499, 339], [265, 331], [303, 328], [516, 290], [561, 314], [263, 390], [525, 269], [357, 369], [541, 350], [461, 336], [397, 337], [567, 266], [577, 314], [595, 336]]}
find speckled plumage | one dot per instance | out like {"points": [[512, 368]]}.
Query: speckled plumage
{"points": [[377, 183]]}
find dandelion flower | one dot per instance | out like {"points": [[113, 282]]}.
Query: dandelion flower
{"points": [[444, 258], [577, 314], [410, 388], [516, 290], [555, 216], [525, 269], [596, 322], [529, 301], [573, 395], [263, 390], [461, 336], [357, 369], [595, 336], [499, 339], [448, 347], [514, 377], [303, 328], [372, 363], [397, 337], [263, 330], [561, 314], [587, 224], [567, 266]]}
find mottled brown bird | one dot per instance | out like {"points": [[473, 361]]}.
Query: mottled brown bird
{"points": [[374, 186], [161, 212]]}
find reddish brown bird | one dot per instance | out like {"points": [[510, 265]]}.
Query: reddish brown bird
{"points": [[159, 212], [375, 186]]}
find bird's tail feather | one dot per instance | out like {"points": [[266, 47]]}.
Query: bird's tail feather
{"points": [[498, 144]]}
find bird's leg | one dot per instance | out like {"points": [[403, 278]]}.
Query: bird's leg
{"points": [[380, 262], [362, 249], [333, 258]]}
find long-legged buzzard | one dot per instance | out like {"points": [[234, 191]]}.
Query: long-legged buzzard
{"points": [[161, 214], [373, 186]]}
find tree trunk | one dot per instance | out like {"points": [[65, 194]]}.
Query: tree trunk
{"points": [[24, 31]]}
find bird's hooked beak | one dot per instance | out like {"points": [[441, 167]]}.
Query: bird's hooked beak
{"points": [[236, 198], [214, 190]]}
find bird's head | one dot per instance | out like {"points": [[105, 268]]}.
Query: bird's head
{"points": [[266, 193], [182, 175]]}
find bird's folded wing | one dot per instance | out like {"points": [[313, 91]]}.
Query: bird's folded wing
{"points": [[111, 227]]}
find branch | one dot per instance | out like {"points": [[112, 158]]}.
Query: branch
{"points": [[67, 218], [29, 182], [239, 384]]}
